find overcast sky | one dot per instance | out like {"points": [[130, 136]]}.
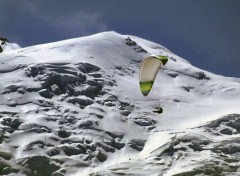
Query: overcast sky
{"points": [[205, 32]]}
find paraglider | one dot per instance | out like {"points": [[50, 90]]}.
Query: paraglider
{"points": [[149, 70]]}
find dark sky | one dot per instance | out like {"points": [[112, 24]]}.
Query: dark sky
{"points": [[205, 32]]}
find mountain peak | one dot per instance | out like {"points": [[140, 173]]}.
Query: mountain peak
{"points": [[77, 102]]}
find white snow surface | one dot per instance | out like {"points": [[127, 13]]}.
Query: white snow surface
{"points": [[52, 101], [9, 46]]}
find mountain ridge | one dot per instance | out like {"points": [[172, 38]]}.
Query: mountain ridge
{"points": [[75, 107]]}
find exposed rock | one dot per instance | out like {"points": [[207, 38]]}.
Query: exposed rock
{"points": [[13, 123], [88, 68], [137, 144], [101, 156], [63, 133], [45, 93], [144, 121], [69, 150], [5, 155], [53, 152], [37, 163], [226, 131], [201, 75], [85, 124], [130, 42]]}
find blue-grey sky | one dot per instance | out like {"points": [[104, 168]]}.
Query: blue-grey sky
{"points": [[205, 32]]}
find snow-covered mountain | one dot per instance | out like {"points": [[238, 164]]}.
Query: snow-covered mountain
{"points": [[74, 107]]}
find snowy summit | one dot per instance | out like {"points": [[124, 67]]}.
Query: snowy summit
{"points": [[74, 107]]}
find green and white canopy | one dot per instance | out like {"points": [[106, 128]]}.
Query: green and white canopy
{"points": [[149, 70]]}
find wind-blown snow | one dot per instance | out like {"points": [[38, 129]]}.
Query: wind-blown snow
{"points": [[74, 107]]}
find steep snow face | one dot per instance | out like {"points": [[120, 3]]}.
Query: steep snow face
{"points": [[74, 107]]}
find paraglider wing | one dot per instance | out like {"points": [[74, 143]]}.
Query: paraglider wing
{"points": [[149, 70]]}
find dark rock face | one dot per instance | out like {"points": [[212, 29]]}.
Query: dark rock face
{"points": [[53, 152], [3, 41], [201, 75], [226, 124], [36, 164], [133, 44], [88, 68], [13, 123], [63, 133], [86, 124], [71, 82], [101, 156], [137, 144], [145, 121], [69, 150], [45, 93], [226, 131]]}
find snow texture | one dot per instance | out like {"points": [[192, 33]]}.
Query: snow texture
{"points": [[74, 107]]}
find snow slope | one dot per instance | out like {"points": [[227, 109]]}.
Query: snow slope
{"points": [[9, 46], [74, 107]]}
